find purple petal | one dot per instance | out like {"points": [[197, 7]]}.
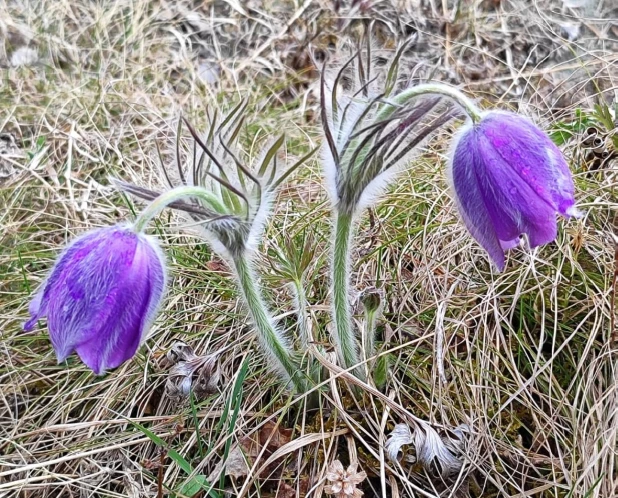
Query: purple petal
{"points": [[79, 299], [497, 204], [157, 279], [541, 232], [513, 205], [72, 254], [533, 157], [34, 308], [102, 296], [134, 304], [510, 244], [472, 206], [119, 334]]}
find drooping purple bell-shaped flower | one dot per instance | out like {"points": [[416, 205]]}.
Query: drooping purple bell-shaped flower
{"points": [[102, 296], [510, 179]]}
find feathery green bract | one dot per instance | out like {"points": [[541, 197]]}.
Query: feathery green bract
{"points": [[368, 133], [231, 210]]}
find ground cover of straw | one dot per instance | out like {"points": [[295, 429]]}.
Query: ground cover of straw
{"points": [[87, 91]]}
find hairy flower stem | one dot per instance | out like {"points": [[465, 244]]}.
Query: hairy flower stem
{"points": [[431, 89], [270, 338], [345, 340], [165, 199], [371, 320], [306, 339]]}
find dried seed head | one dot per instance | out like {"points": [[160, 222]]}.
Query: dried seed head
{"points": [[367, 134], [434, 452], [233, 216], [399, 436], [343, 482], [200, 374]]}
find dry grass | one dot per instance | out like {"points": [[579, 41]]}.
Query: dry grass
{"points": [[528, 355]]}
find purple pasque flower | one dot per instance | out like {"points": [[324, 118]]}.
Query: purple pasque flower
{"points": [[510, 179], [101, 296]]}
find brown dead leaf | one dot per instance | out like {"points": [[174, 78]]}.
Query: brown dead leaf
{"points": [[285, 491], [274, 436], [217, 266], [259, 445]]}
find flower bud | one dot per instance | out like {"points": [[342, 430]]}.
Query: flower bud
{"points": [[101, 296], [509, 179]]}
